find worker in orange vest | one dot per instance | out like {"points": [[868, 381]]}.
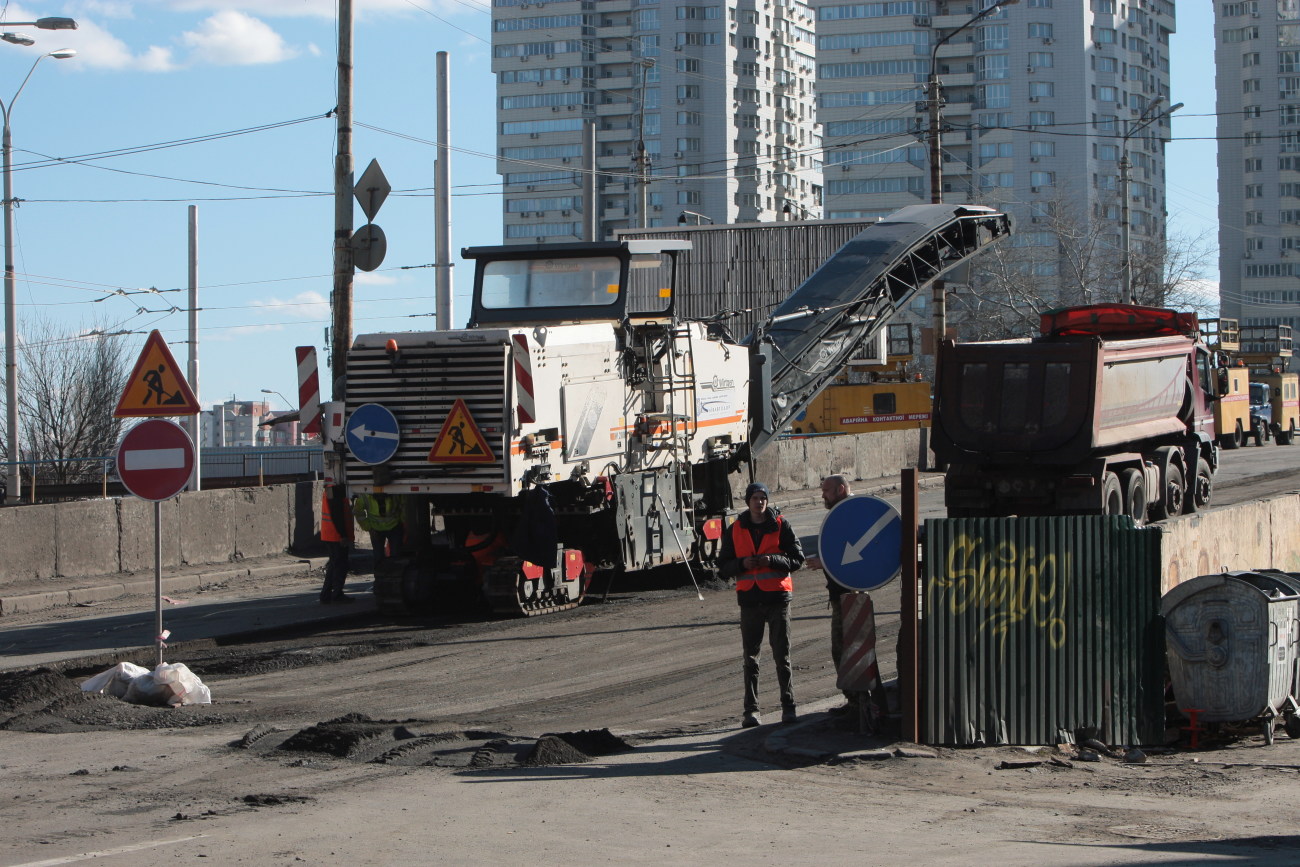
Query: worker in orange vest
{"points": [[336, 533], [760, 550]]}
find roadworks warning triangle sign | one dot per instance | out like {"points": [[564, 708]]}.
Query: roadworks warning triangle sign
{"points": [[460, 441], [156, 386]]}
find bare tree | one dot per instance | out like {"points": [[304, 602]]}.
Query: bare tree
{"points": [[69, 387], [1062, 255]]}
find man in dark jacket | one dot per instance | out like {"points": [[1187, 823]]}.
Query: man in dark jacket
{"points": [[760, 550]]}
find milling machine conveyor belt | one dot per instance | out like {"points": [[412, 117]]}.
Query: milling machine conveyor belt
{"points": [[851, 297]]}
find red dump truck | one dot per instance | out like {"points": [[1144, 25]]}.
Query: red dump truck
{"points": [[1109, 411]]}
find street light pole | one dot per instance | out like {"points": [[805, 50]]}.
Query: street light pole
{"points": [[288, 405], [14, 483], [939, 299], [1126, 292]]}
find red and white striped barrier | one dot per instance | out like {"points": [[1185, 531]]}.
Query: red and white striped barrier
{"points": [[858, 669], [308, 391], [525, 404]]}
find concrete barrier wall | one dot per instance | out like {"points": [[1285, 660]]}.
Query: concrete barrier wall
{"points": [[800, 464], [104, 537], [1263, 534]]}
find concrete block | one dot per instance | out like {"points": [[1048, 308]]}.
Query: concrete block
{"points": [[98, 593], [29, 534], [86, 538], [258, 521], [32, 602], [206, 533], [136, 535]]}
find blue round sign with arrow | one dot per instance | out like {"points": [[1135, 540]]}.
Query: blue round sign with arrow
{"points": [[860, 544], [372, 433]]}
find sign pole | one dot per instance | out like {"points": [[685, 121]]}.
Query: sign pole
{"points": [[157, 577]]}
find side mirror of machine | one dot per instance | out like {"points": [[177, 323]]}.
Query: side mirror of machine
{"points": [[1222, 381]]}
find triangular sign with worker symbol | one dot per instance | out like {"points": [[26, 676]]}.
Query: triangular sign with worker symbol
{"points": [[460, 441], [156, 387]]}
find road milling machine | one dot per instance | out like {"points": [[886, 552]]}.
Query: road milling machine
{"points": [[577, 424]]}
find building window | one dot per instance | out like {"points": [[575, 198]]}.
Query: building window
{"points": [[1105, 94], [995, 37], [1042, 148], [1103, 35], [688, 197], [688, 91], [687, 64], [1042, 118], [689, 118], [1042, 179], [1041, 89], [1254, 191], [1254, 218], [1040, 31], [1041, 60], [1109, 153]]}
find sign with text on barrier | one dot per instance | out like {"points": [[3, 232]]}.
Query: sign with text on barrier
{"points": [[860, 543]]}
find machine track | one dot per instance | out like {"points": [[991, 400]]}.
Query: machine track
{"points": [[510, 592]]}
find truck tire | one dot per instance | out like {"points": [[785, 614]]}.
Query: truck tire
{"points": [[1258, 431], [1170, 504], [1286, 437], [1112, 494], [1202, 488], [1233, 440], [1135, 496]]}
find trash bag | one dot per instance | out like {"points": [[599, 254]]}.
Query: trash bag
{"points": [[168, 686], [115, 681]]}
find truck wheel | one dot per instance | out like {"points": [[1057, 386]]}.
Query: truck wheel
{"points": [[1198, 497], [1233, 440], [1173, 492], [1258, 431], [1285, 438], [1135, 496], [1112, 495]]}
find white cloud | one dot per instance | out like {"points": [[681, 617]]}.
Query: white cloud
{"points": [[103, 8], [305, 8], [97, 48], [231, 38], [305, 305], [364, 278]]}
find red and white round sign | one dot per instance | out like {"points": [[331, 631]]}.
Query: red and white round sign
{"points": [[155, 459]]}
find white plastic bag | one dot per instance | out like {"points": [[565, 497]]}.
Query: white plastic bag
{"points": [[116, 681], [168, 685]]}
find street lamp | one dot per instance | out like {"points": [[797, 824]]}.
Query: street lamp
{"points": [[44, 24], [939, 291], [685, 217], [286, 403], [1126, 293], [14, 490]]}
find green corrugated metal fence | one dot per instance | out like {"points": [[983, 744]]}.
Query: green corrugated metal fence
{"points": [[1033, 629]]}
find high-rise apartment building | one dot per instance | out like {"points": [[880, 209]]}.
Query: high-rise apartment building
{"points": [[702, 112], [1041, 100], [1257, 76]]}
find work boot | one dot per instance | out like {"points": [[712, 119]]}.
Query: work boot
{"points": [[788, 715], [751, 719]]}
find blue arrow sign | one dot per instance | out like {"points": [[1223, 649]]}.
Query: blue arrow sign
{"points": [[372, 434], [860, 543]]}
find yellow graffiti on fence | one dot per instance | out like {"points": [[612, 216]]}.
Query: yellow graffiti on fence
{"points": [[1007, 586]]}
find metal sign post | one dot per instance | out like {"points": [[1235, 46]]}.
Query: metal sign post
{"points": [[154, 461]]}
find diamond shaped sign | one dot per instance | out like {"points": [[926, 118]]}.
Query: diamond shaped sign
{"points": [[372, 189]]}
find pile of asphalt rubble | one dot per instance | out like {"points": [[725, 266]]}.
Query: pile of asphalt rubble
{"points": [[413, 743]]}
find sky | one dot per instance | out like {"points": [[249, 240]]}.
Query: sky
{"points": [[223, 104]]}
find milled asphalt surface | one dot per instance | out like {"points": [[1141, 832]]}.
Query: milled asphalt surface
{"points": [[195, 608]]}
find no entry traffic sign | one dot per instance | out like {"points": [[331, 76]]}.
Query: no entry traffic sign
{"points": [[155, 459]]}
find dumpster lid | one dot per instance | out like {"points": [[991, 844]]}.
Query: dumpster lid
{"points": [[1269, 582]]}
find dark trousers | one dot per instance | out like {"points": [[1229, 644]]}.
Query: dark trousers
{"points": [[336, 571], [394, 539], [775, 617]]}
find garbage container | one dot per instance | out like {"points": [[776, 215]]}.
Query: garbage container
{"points": [[1231, 642]]}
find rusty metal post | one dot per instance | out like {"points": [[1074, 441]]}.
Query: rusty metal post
{"points": [[909, 608]]}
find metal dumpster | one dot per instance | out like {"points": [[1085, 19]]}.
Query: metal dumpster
{"points": [[1231, 643]]}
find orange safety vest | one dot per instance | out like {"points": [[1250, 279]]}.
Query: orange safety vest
{"points": [[329, 530], [766, 577]]}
